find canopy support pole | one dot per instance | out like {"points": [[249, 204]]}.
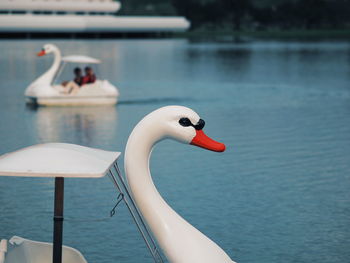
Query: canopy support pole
{"points": [[58, 220]]}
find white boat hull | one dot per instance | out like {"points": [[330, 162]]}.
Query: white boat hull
{"points": [[99, 93], [72, 101], [29, 251]]}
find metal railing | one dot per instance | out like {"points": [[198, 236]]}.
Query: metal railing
{"points": [[122, 188]]}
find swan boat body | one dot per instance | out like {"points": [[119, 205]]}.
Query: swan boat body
{"points": [[179, 241], [43, 91], [57, 160]]}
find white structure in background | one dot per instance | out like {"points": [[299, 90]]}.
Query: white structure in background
{"points": [[79, 16]]}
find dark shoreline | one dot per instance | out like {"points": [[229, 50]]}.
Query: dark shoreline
{"points": [[270, 34], [343, 34]]}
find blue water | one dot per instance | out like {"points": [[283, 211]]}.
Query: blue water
{"points": [[280, 193]]}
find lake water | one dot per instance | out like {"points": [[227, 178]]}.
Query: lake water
{"points": [[280, 193]]}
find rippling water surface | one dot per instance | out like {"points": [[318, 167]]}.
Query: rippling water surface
{"points": [[280, 193]]}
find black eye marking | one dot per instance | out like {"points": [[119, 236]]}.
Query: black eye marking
{"points": [[200, 125], [186, 122]]}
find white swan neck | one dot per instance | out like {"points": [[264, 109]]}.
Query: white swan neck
{"points": [[180, 241], [49, 75]]}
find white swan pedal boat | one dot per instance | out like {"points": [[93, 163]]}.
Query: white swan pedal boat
{"points": [[43, 91], [179, 240]]}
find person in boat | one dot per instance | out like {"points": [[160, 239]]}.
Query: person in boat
{"points": [[72, 87], [90, 76]]}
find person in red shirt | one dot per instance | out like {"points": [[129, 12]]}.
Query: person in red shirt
{"points": [[89, 77]]}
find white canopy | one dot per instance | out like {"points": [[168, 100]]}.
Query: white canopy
{"points": [[57, 160], [81, 59]]}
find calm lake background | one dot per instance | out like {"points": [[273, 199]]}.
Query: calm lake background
{"points": [[280, 193]]}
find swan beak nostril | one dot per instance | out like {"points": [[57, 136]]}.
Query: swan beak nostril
{"points": [[203, 141], [41, 53]]}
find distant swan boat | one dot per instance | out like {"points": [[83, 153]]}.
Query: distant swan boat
{"points": [[44, 92]]}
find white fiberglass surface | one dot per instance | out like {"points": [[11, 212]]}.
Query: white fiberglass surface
{"points": [[57, 160], [81, 59]]}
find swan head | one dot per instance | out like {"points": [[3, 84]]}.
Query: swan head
{"points": [[183, 125], [46, 49]]}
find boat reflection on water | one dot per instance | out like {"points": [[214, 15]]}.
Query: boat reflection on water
{"points": [[90, 126]]}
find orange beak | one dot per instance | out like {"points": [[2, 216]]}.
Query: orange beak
{"points": [[41, 53], [203, 141]]}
